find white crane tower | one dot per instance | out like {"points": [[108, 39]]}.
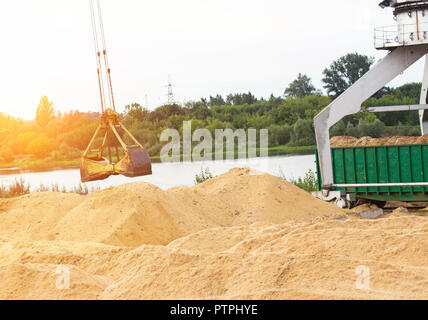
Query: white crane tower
{"points": [[407, 42]]}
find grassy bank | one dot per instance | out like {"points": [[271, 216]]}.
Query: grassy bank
{"points": [[48, 164], [291, 150], [41, 164], [19, 188]]}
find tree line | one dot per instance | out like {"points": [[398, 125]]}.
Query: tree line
{"points": [[289, 117]]}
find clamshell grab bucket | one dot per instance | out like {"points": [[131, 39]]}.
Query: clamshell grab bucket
{"points": [[97, 163]]}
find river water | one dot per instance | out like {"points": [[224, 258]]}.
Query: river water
{"points": [[169, 175]]}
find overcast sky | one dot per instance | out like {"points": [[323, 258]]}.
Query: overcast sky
{"points": [[207, 46]]}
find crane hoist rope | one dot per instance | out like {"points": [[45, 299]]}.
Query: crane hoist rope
{"points": [[134, 160], [97, 55], [106, 62]]}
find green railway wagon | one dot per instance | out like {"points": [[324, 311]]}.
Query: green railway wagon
{"points": [[401, 164]]}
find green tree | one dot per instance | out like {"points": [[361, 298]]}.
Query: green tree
{"points": [[345, 71], [6, 154], [40, 146], [217, 101], [372, 129], [198, 110], [45, 112], [166, 111], [300, 87], [238, 99], [338, 129], [409, 90], [279, 135], [303, 133], [351, 130], [135, 112]]}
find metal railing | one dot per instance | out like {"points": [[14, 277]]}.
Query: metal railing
{"points": [[400, 35]]}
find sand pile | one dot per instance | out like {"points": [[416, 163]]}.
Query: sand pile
{"points": [[140, 213], [242, 235], [32, 216], [260, 261], [282, 262], [40, 283], [343, 142]]}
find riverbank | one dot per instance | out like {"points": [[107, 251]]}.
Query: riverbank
{"points": [[168, 174], [41, 165]]}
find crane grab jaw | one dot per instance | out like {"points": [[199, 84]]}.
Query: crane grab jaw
{"points": [[132, 159]]}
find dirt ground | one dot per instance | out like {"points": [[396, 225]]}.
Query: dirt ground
{"points": [[242, 235]]}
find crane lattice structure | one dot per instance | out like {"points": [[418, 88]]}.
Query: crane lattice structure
{"points": [[171, 99]]}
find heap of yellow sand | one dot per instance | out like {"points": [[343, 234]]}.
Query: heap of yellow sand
{"points": [[242, 235], [261, 261], [140, 213]]}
